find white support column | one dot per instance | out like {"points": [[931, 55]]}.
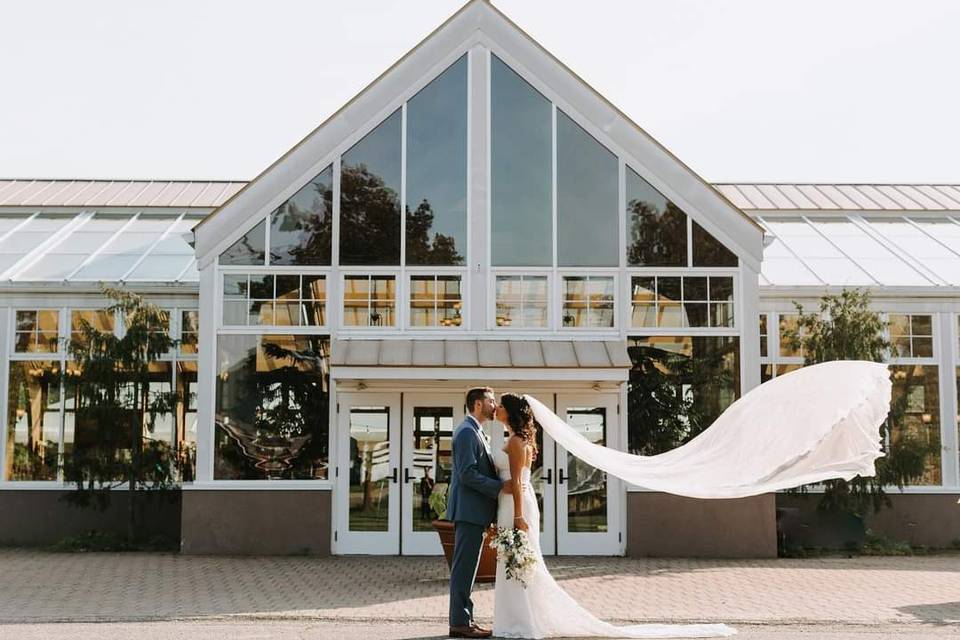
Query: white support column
{"points": [[478, 207], [748, 321], [6, 324], [946, 330], [206, 375]]}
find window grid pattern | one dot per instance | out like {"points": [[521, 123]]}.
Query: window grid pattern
{"points": [[41, 427], [436, 301], [281, 299], [369, 300], [522, 301], [682, 302], [588, 301]]}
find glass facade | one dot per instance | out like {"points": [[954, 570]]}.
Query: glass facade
{"points": [[436, 207], [301, 229], [521, 142], [272, 407], [656, 227]]}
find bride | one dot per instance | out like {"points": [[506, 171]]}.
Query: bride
{"points": [[542, 609]]}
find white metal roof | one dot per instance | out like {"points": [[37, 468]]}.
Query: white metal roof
{"points": [[91, 246], [843, 197], [116, 193]]}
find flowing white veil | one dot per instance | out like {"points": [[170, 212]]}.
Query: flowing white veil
{"points": [[813, 424]]}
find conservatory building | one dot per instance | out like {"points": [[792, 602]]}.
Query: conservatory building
{"points": [[478, 215]]}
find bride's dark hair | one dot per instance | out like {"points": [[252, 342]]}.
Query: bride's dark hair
{"points": [[520, 417]]}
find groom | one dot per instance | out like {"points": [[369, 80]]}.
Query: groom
{"points": [[471, 506]]}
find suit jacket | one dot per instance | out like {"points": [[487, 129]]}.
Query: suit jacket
{"points": [[474, 483]]}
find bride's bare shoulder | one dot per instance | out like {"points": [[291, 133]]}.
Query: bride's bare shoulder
{"points": [[516, 444]]}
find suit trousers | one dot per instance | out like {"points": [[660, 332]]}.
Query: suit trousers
{"points": [[468, 538]]}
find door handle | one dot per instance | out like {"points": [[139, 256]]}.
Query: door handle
{"points": [[406, 475], [560, 476], [549, 478], [393, 476]]}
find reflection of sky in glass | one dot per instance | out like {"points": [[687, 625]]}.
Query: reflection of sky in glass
{"points": [[521, 167], [587, 188], [921, 246], [437, 152]]}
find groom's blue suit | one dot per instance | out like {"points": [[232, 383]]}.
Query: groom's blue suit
{"points": [[471, 506]]}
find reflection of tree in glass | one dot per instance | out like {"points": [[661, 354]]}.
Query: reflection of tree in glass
{"points": [[33, 388], [278, 428], [369, 218], [441, 250], [311, 226], [673, 397], [657, 237]]}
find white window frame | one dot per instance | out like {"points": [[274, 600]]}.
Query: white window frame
{"points": [[435, 272], [532, 272], [590, 274]]}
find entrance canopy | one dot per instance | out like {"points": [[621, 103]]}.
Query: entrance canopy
{"points": [[498, 359]]}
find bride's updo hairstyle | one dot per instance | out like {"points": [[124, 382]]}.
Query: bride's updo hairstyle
{"points": [[520, 417]]}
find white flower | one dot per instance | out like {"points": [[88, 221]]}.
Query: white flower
{"points": [[519, 558]]}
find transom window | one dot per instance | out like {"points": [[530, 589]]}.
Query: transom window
{"points": [[100, 319], [682, 301], [788, 348], [252, 299], [588, 301], [763, 335], [911, 335], [435, 301], [521, 301], [369, 301], [37, 331]]}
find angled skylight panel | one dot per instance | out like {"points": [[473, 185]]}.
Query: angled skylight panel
{"points": [[829, 264], [169, 258], [881, 263], [922, 246], [70, 252], [26, 239], [123, 250], [781, 267]]}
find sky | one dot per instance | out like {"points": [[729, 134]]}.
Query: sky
{"points": [[740, 90]]}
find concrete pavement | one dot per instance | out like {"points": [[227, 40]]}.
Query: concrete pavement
{"points": [[169, 593]]}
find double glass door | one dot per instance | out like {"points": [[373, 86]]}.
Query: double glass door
{"points": [[394, 451]]}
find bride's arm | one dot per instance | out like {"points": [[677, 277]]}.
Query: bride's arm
{"points": [[517, 453]]}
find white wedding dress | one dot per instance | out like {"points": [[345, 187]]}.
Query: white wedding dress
{"points": [[819, 422], [543, 609]]}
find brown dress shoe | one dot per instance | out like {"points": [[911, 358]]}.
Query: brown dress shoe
{"points": [[480, 629], [468, 632]]}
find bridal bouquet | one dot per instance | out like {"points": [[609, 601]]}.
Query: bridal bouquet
{"points": [[513, 545]]}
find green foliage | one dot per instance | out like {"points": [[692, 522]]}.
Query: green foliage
{"points": [[438, 500], [100, 541], [846, 328], [117, 407]]}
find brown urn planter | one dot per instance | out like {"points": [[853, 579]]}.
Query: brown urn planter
{"points": [[487, 571]]}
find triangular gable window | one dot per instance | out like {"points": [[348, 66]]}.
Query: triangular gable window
{"points": [[657, 232], [249, 249]]}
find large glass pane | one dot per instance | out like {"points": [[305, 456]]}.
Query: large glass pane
{"points": [[656, 227], [587, 200], [520, 171], [587, 486], [432, 456], [370, 197], [300, 228], [249, 249], [708, 251], [33, 420], [272, 407], [369, 468], [914, 420], [678, 386], [436, 206]]}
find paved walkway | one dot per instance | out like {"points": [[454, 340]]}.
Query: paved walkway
{"points": [[40, 587]]}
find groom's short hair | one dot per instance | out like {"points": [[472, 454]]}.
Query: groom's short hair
{"points": [[476, 395]]}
